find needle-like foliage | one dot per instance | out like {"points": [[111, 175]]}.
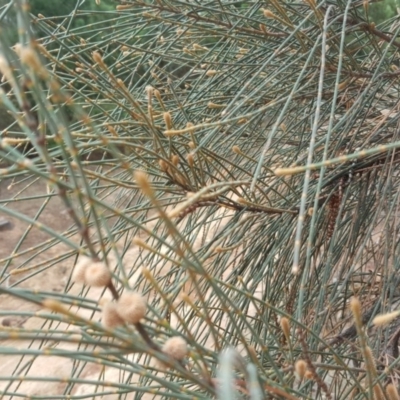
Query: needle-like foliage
{"points": [[229, 175]]}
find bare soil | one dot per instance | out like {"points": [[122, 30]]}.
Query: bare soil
{"points": [[30, 259], [23, 246]]}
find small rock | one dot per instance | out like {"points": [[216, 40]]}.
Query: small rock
{"points": [[5, 225], [7, 322], [13, 322]]}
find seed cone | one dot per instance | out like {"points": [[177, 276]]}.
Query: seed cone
{"points": [[97, 275], [111, 318], [78, 276], [176, 347], [131, 307], [92, 273]]}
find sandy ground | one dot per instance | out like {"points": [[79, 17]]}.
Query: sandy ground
{"points": [[30, 247], [22, 240], [25, 243], [42, 267]]}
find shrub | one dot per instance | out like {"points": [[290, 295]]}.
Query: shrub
{"points": [[235, 166]]}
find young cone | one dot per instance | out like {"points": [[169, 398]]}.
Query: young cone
{"points": [[176, 347], [111, 318], [78, 276], [131, 307], [97, 275]]}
